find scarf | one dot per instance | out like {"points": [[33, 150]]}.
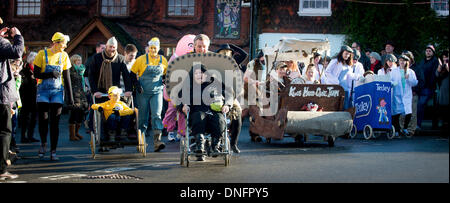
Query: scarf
{"points": [[80, 71], [105, 77]]}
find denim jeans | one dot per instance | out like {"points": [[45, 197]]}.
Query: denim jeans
{"points": [[153, 102], [425, 95]]}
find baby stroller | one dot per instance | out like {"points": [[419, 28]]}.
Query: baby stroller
{"points": [[100, 140]]}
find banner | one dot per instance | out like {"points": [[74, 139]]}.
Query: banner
{"points": [[227, 19]]}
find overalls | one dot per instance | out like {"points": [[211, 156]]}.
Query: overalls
{"points": [[51, 90], [151, 97]]}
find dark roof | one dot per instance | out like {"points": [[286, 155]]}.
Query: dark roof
{"points": [[121, 35]]}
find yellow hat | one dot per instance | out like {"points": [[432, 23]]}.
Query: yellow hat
{"points": [[59, 37], [154, 42], [114, 90]]}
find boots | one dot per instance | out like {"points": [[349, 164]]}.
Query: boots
{"points": [[200, 147], [157, 144], [72, 133], [215, 146], [77, 128]]}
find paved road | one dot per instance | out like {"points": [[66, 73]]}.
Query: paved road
{"points": [[419, 159]]}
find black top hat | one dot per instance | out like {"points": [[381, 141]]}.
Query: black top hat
{"points": [[224, 47]]}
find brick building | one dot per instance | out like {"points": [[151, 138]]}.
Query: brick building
{"points": [[131, 21]]}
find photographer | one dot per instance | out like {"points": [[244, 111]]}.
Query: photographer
{"points": [[8, 92]]}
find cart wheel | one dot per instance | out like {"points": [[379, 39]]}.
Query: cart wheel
{"points": [[268, 140], [353, 132], [331, 140], [182, 152], [368, 132], [227, 158], [187, 161], [92, 143], [144, 147], [391, 133]]}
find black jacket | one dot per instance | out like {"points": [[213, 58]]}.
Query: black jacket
{"points": [[8, 91], [427, 69], [119, 68]]}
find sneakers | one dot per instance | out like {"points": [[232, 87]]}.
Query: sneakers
{"points": [[53, 156], [8, 175], [171, 136], [235, 149], [41, 152]]}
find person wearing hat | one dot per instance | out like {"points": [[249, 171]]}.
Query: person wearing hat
{"points": [[51, 67], [355, 73], [205, 116], [337, 72], [149, 69], [389, 64], [415, 91], [375, 62], [389, 47], [254, 76], [8, 93], [403, 79], [235, 115], [427, 67], [117, 114]]}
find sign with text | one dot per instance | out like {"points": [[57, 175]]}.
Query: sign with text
{"points": [[373, 105], [326, 96]]}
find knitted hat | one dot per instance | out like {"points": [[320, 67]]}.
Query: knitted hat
{"points": [[376, 56], [112, 41], [432, 48]]}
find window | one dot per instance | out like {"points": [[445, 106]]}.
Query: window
{"points": [[440, 6], [181, 8], [28, 7], [314, 8], [114, 8]]}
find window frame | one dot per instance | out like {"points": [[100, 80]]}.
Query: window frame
{"points": [[181, 16], [441, 13], [16, 9], [114, 15], [314, 11]]}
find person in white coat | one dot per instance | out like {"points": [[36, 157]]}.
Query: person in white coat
{"points": [[388, 64], [403, 80], [354, 74], [336, 72]]}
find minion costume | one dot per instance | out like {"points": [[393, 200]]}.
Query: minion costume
{"points": [[50, 66], [149, 69], [117, 114]]}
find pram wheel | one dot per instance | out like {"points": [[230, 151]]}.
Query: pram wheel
{"points": [[391, 133], [353, 132], [330, 141], [368, 132]]}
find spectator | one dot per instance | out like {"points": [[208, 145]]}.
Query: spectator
{"points": [[77, 113], [375, 62], [16, 67], [8, 93], [389, 48], [413, 123], [443, 83], [28, 113], [389, 64], [403, 79], [49, 64], [364, 59], [427, 67]]}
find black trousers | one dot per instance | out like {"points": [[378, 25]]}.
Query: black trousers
{"points": [[235, 129], [203, 123], [49, 113], [396, 121], [5, 135]]}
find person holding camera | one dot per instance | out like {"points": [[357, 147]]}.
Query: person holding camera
{"points": [[8, 92], [51, 67]]}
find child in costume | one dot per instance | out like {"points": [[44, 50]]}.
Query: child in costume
{"points": [[117, 114], [184, 46]]}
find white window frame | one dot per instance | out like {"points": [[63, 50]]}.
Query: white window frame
{"points": [[120, 14], [27, 5], [439, 12], [313, 11]]}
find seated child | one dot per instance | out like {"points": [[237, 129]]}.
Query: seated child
{"points": [[117, 114]]}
